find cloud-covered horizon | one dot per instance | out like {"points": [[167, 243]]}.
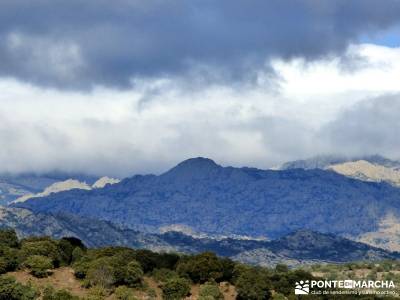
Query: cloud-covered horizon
{"points": [[315, 108], [79, 44], [128, 86]]}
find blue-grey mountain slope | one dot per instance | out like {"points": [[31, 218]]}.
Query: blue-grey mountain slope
{"points": [[300, 247], [226, 200]]}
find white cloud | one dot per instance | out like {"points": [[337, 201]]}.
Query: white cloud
{"points": [[158, 123]]}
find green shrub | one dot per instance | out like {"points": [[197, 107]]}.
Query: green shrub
{"points": [[281, 268], [124, 293], [8, 237], [12, 290], [65, 248], [81, 267], [147, 260], [44, 247], [3, 265], [278, 296], [9, 257], [283, 282], [38, 265], [228, 267], [77, 254], [238, 270], [210, 291], [134, 274], [162, 275], [151, 294], [101, 273], [253, 285], [50, 293], [97, 293], [176, 289]]}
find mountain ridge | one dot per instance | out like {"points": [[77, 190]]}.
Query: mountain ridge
{"points": [[227, 200], [296, 248]]}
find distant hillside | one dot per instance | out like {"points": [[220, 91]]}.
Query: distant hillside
{"points": [[224, 200], [94, 233], [67, 185], [325, 161], [14, 186], [301, 247], [364, 170], [306, 247]]}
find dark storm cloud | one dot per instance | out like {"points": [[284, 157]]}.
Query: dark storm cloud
{"points": [[79, 43], [370, 127]]}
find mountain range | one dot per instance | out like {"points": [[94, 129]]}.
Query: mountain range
{"points": [[251, 215], [297, 248], [208, 198]]}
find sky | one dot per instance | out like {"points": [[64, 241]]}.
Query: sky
{"points": [[124, 87]]}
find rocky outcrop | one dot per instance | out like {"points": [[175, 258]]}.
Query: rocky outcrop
{"points": [[57, 187], [103, 181], [364, 170]]}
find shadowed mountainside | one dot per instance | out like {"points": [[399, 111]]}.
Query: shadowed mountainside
{"points": [[300, 247], [224, 200]]}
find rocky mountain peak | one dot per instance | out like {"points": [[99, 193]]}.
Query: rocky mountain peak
{"points": [[194, 168]]}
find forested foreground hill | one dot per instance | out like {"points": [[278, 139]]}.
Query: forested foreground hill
{"points": [[48, 269]]}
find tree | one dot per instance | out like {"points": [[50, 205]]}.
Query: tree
{"points": [[101, 273], [210, 291], [202, 267], [65, 248], [253, 285], [39, 265], [175, 289], [75, 242], [8, 237], [228, 267]]}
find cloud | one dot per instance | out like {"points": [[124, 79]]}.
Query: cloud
{"points": [[371, 126], [318, 108], [82, 44]]}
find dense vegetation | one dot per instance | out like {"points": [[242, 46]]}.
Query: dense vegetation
{"points": [[119, 271]]}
